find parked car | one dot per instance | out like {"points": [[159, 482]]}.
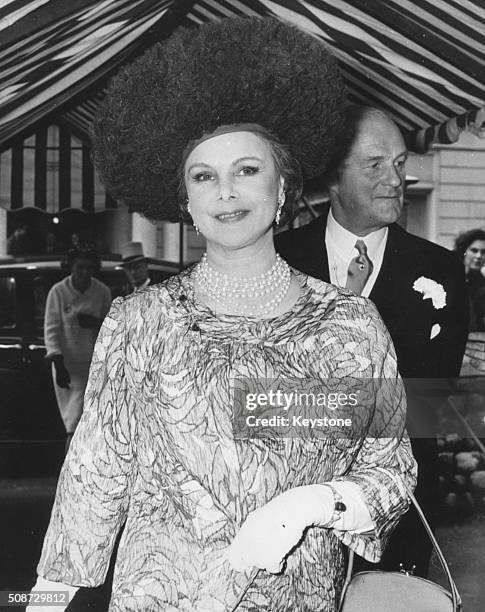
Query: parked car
{"points": [[30, 425]]}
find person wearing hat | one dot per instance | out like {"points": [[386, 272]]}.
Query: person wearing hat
{"points": [[135, 265], [219, 124]]}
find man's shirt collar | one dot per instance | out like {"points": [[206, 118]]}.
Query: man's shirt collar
{"points": [[143, 285], [343, 241]]}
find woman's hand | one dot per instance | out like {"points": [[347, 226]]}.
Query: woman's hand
{"points": [[42, 608], [88, 321], [43, 586], [269, 533], [62, 375]]}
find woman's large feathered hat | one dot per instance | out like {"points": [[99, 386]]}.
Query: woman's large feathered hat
{"points": [[241, 70]]}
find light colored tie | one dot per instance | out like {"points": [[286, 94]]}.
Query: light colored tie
{"points": [[360, 268]]}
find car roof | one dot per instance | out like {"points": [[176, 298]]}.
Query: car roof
{"points": [[54, 262]]}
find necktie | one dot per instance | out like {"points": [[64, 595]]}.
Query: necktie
{"points": [[360, 268]]}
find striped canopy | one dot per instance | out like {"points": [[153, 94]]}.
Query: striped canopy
{"points": [[421, 60]]}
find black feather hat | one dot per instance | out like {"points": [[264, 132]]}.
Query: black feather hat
{"points": [[241, 70]]}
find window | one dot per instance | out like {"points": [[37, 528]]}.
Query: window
{"points": [[41, 287]]}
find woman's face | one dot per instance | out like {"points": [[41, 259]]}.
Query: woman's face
{"points": [[233, 188], [475, 256], [82, 270]]}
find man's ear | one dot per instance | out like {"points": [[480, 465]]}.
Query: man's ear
{"points": [[333, 190], [282, 186]]}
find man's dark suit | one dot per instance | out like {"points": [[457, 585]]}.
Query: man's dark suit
{"points": [[409, 319]]}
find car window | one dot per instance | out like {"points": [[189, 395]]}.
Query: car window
{"points": [[8, 302], [41, 286]]}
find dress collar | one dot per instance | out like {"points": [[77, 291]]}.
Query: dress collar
{"points": [[71, 285]]}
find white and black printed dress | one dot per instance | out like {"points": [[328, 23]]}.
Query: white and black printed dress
{"points": [[155, 448]]}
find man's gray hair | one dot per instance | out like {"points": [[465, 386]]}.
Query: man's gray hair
{"points": [[355, 115]]}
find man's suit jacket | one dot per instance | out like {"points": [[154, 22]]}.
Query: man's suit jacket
{"points": [[408, 317]]}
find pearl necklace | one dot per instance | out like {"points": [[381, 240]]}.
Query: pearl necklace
{"points": [[233, 292]]}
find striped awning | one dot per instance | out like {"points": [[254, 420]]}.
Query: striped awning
{"points": [[421, 60], [55, 56]]}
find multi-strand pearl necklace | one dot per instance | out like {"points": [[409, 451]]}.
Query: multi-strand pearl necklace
{"points": [[234, 292]]}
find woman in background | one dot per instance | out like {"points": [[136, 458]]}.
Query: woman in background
{"points": [[75, 309], [471, 248]]}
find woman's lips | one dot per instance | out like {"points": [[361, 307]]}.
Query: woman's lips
{"points": [[229, 217]]}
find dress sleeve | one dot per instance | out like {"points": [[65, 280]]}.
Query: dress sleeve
{"points": [[384, 462], [96, 479], [53, 323]]}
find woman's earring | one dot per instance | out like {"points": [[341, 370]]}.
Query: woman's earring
{"points": [[281, 201], [190, 213]]}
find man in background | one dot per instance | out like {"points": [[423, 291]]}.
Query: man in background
{"points": [[135, 265], [417, 286]]}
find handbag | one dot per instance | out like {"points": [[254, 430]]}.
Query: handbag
{"points": [[380, 591]]}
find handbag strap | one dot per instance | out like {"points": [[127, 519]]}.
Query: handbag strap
{"points": [[457, 604]]}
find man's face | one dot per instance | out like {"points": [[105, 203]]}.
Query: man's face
{"points": [[137, 272], [368, 193]]}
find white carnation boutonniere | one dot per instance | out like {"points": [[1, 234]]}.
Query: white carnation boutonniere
{"points": [[431, 290]]}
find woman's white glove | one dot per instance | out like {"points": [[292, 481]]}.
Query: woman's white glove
{"points": [[41, 586], [270, 532]]}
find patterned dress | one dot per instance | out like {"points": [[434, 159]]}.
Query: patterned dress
{"points": [[155, 448]]}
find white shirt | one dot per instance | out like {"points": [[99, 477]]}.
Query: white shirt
{"points": [[341, 250]]}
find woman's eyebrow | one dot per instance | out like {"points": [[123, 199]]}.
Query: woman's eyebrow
{"points": [[247, 158], [237, 161], [197, 165]]}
